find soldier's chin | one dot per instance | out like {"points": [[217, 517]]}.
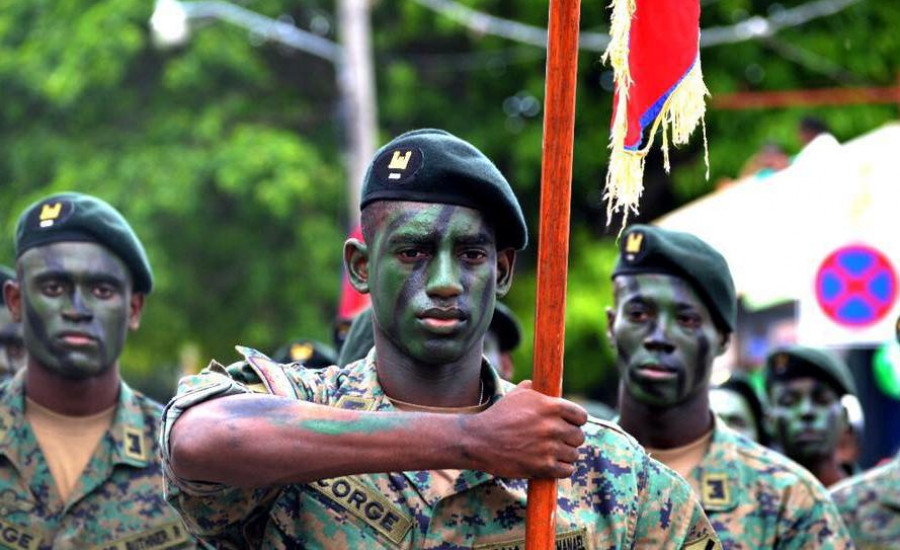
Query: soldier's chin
{"points": [[76, 370]]}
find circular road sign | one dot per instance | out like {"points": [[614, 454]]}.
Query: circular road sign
{"points": [[856, 286]]}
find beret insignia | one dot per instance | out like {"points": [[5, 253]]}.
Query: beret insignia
{"points": [[51, 213], [398, 166]]}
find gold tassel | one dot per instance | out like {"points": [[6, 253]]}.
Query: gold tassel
{"points": [[683, 110]]}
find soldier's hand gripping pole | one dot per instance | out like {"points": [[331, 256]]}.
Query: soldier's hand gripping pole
{"points": [[553, 243]]}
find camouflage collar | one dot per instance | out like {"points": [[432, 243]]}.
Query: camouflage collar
{"points": [[718, 475], [131, 444], [890, 491], [367, 394]]}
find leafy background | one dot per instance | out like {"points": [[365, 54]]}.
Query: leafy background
{"points": [[225, 153]]}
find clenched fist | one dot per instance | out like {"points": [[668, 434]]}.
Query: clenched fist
{"points": [[526, 434]]}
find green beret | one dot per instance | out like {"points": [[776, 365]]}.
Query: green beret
{"points": [[505, 325], [67, 217], [6, 274], [800, 361], [649, 249], [360, 339], [435, 166], [312, 354]]}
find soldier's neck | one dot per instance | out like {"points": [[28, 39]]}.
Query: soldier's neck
{"points": [[665, 427], [456, 384], [826, 469], [72, 397]]}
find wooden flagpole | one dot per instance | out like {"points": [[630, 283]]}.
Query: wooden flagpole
{"points": [[553, 242]]}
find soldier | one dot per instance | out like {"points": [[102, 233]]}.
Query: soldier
{"points": [[738, 404], [80, 467], [674, 310], [12, 349], [805, 387], [870, 503], [420, 444]]}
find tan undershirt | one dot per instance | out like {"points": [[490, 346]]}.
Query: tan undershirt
{"points": [[684, 459], [442, 481], [68, 442]]}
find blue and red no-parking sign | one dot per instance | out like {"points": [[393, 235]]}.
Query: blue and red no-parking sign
{"points": [[856, 286]]}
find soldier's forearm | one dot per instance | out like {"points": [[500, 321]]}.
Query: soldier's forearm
{"points": [[257, 441]]}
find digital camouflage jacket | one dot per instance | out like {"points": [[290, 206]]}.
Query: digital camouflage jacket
{"points": [[117, 505], [758, 499], [870, 505], [618, 498]]}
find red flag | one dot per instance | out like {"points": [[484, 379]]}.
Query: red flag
{"points": [[654, 51]]}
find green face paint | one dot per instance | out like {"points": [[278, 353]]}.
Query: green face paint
{"points": [[665, 338], [808, 418], [76, 303], [12, 348], [432, 277], [734, 410]]}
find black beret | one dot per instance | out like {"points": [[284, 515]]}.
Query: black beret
{"points": [[6, 274], [435, 166], [505, 325], [71, 216], [800, 361], [312, 354], [649, 249]]}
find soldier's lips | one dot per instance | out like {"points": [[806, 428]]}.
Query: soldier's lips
{"points": [[442, 320], [77, 340], [656, 371], [442, 326]]}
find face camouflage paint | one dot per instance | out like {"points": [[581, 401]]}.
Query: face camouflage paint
{"points": [[432, 276], [808, 417], [76, 307], [665, 338], [735, 411]]}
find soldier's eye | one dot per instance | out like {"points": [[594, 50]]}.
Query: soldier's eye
{"points": [[52, 288]]}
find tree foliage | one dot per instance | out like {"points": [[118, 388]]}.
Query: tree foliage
{"points": [[225, 154]]}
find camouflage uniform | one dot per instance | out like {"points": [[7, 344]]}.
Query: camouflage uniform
{"points": [[618, 497], [757, 498], [870, 505], [117, 504]]}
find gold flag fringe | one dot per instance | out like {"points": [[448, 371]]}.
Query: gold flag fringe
{"points": [[683, 110]]}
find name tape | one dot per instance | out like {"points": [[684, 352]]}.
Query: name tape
{"points": [[569, 540], [366, 504]]}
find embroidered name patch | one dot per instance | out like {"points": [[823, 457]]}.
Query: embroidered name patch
{"points": [[705, 543], [366, 504], [17, 537], [164, 536], [570, 540]]}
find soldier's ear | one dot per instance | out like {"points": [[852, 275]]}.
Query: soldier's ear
{"points": [[724, 342], [610, 321], [12, 294], [356, 262], [136, 308], [506, 265]]}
